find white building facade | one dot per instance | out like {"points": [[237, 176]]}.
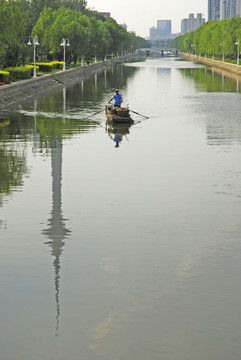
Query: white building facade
{"points": [[192, 23]]}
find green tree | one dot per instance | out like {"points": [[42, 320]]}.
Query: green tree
{"points": [[11, 32], [79, 5], [43, 29], [213, 38]]}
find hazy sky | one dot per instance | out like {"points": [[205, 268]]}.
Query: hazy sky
{"points": [[141, 15]]}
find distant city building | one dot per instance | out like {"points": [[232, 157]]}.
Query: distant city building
{"points": [[213, 9], [238, 8], [162, 31], [223, 9], [227, 9], [192, 23], [165, 26]]}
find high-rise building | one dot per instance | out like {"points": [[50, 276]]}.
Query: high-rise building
{"points": [[238, 8], [163, 30], [228, 9], [232, 8], [223, 9], [165, 26], [214, 9], [191, 23]]}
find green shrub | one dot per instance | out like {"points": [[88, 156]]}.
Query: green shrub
{"points": [[19, 73], [45, 67], [58, 64], [31, 67], [4, 76]]}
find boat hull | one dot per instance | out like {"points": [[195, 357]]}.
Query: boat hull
{"points": [[118, 115]]}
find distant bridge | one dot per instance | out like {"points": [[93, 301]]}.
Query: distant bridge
{"points": [[158, 51]]}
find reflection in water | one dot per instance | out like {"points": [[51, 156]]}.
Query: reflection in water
{"points": [[56, 231], [213, 80], [64, 100], [3, 225], [164, 71], [223, 126], [159, 287], [13, 163], [116, 132]]}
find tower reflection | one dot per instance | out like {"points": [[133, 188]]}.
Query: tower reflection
{"points": [[56, 231]]}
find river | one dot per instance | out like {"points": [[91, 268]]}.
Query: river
{"points": [[128, 252]]}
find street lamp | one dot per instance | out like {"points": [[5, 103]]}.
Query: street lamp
{"points": [[237, 44], [64, 42], [35, 43]]}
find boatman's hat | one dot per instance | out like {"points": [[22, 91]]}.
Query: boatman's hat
{"points": [[116, 90]]}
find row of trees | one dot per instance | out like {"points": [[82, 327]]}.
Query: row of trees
{"points": [[214, 38], [89, 33]]}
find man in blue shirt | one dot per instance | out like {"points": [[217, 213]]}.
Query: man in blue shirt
{"points": [[118, 98]]}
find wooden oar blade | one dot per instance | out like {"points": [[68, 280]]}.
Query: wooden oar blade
{"points": [[139, 114]]}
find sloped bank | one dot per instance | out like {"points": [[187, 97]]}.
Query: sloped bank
{"points": [[12, 94], [233, 68]]}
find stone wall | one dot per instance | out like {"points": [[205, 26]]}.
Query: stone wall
{"points": [[12, 94], [233, 68]]}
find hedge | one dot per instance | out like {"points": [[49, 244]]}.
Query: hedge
{"points": [[4, 76], [19, 73], [49, 66], [45, 67], [31, 67], [25, 72], [58, 64]]}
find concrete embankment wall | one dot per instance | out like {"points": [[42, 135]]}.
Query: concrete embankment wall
{"points": [[12, 94], [233, 68]]}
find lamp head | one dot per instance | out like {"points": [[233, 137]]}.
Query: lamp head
{"points": [[36, 43]]}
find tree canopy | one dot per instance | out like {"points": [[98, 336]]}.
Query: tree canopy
{"points": [[214, 38], [89, 33]]}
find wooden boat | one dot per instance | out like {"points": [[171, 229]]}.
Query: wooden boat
{"points": [[118, 114]]}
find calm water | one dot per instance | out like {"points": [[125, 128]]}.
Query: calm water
{"points": [[123, 253]]}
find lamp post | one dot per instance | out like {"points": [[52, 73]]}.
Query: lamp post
{"points": [[94, 46], [223, 52], [35, 43], [64, 43], [237, 44]]}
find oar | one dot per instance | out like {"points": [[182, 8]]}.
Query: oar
{"points": [[94, 114], [139, 114]]}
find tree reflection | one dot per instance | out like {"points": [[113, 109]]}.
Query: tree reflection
{"points": [[212, 81], [13, 164]]}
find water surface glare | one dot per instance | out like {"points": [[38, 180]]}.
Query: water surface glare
{"points": [[123, 253]]}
